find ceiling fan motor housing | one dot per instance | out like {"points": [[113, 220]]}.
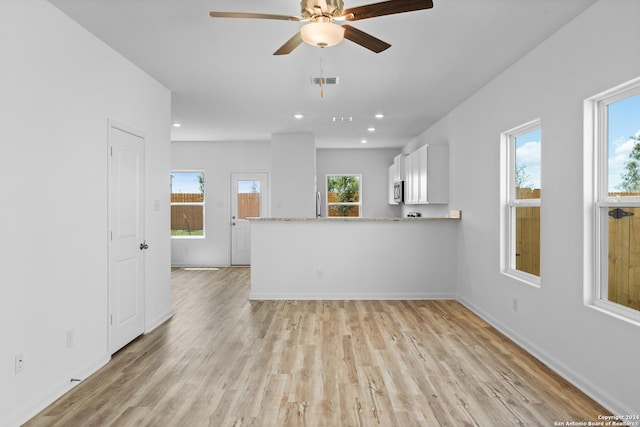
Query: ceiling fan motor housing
{"points": [[315, 8]]}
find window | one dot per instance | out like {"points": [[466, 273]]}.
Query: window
{"points": [[249, 198], [187, 204], [615, 130], [521, 190], [343, 195]]}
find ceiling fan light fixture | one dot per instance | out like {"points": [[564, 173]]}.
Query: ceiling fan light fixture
{"points": [[322, 34]]}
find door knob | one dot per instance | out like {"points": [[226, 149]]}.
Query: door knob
{"points": [[144, 245]]}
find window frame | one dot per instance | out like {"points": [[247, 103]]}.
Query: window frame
{"points": [[328, 204], [599, 201], [202, 204], [510, 203]]}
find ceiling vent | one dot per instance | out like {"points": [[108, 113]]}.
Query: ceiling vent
{"points": [[324, 80]]}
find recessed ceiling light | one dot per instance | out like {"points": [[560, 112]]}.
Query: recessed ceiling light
{"points": [[298, 116], [379, 116], [371, 129], [363, 141], [176, 125]]}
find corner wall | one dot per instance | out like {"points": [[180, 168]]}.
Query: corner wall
{"points": [[218, 160], [596, 51], [293, 175], [59, 85]]}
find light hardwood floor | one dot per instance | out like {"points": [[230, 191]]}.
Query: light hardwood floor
{"points": [[226, 361]]}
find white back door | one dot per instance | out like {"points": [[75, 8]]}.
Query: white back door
{"points": [[249, 198]]}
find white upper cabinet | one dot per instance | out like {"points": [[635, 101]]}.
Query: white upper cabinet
{"points": [[396, 174], [412, 178], [398, 167], [427, 175]]}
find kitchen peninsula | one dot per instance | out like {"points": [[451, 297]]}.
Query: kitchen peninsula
{"points": [[354, 258]]}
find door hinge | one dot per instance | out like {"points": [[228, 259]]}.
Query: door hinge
{"points": [[111, 319], [111, 149]]}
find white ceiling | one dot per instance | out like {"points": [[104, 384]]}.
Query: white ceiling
{"points": [[226, 85]]}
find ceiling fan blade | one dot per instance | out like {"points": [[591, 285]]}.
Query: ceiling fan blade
{"points": [[389, 7], [291, 44], [253, 16], [365, 40]]}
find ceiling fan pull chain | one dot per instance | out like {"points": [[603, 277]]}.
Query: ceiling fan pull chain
{"points": [[321, 76]]}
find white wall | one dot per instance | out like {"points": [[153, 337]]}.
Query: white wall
{"points": [[596, 51], [293, 175], [58, 87], [357, 259], [372, 164], [217, 160]]}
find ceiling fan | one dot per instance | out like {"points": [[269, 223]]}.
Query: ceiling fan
{"points": [[321, 30]]}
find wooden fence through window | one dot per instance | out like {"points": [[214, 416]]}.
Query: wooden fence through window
{"points": [[623, 281], [624, 254], [187, 218], [248, 205], [528, 233], [343, 210]]}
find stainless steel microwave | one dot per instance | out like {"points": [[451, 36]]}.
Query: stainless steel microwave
{"points": [[398, 191]]}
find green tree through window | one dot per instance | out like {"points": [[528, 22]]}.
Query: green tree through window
{"points": [[343, 195], [631, 175]]}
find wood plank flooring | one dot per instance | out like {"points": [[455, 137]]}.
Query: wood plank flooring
{"points": [[226, 361]]}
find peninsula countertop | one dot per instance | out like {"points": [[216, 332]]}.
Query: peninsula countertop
{"points": [[454, 215], [330, 219]]}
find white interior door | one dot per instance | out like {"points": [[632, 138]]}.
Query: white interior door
{"points": [[249, 198], [126, 237]]}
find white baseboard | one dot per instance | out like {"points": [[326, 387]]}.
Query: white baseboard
{"points": [[256, 296], [558, 367], [150, 326], [21, 414]]}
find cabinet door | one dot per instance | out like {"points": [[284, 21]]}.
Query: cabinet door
{"points": [[408, 181], [415, 176], [398, 164], [412, 178], [422, 159]]}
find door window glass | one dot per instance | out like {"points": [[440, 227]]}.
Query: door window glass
{"points": [[248, 199]]}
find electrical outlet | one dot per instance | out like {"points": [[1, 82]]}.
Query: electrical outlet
{"points": [[515, 304], [19, 363], [319, 274], [71, 338]]}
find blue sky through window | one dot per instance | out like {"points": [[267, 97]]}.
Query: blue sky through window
{"points": [[623, 122], [185, 182], [528, 156], [248, 186]]}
